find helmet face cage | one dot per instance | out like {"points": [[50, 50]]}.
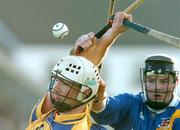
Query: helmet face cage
{"points": [[63, 105], [75, 85], [156, 69]]}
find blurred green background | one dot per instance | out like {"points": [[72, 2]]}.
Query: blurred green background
{"points": [[28, 50]]}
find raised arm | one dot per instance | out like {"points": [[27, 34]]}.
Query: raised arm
{"points": [[96, 49]]}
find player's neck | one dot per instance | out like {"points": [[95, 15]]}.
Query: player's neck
{"points": [[47, 106]]}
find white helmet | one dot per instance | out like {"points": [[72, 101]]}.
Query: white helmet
{"points": [[77, 70]]}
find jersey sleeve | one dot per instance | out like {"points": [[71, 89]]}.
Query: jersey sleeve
{"points": [[118, 109]]}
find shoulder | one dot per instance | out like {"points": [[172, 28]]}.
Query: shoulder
{"points": [[176, 125], [175, 118], [178, 104], [175, 102], [97, 127], [36, 112]]}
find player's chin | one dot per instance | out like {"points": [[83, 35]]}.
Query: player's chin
{"points": [[59, 98]]}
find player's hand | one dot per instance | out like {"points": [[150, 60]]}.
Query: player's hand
{"points": [[95, 49], [90, 50], [84, 42], [117, 23]]}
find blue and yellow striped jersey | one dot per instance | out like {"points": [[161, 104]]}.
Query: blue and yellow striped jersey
{"points": [[55, 121]]}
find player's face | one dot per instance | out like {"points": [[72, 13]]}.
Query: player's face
{"points": [[66, 92], [160, 87]]}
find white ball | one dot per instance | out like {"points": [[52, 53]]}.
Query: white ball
{"points": [[60, 30]]}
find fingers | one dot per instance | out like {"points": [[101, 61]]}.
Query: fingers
{"points": [[120, 16], [117, 23], [85, 41]]}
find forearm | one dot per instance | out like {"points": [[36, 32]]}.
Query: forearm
{"points": [[107, 115], [109, 37], [98, 51], [103, 45], [95, 49]]}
